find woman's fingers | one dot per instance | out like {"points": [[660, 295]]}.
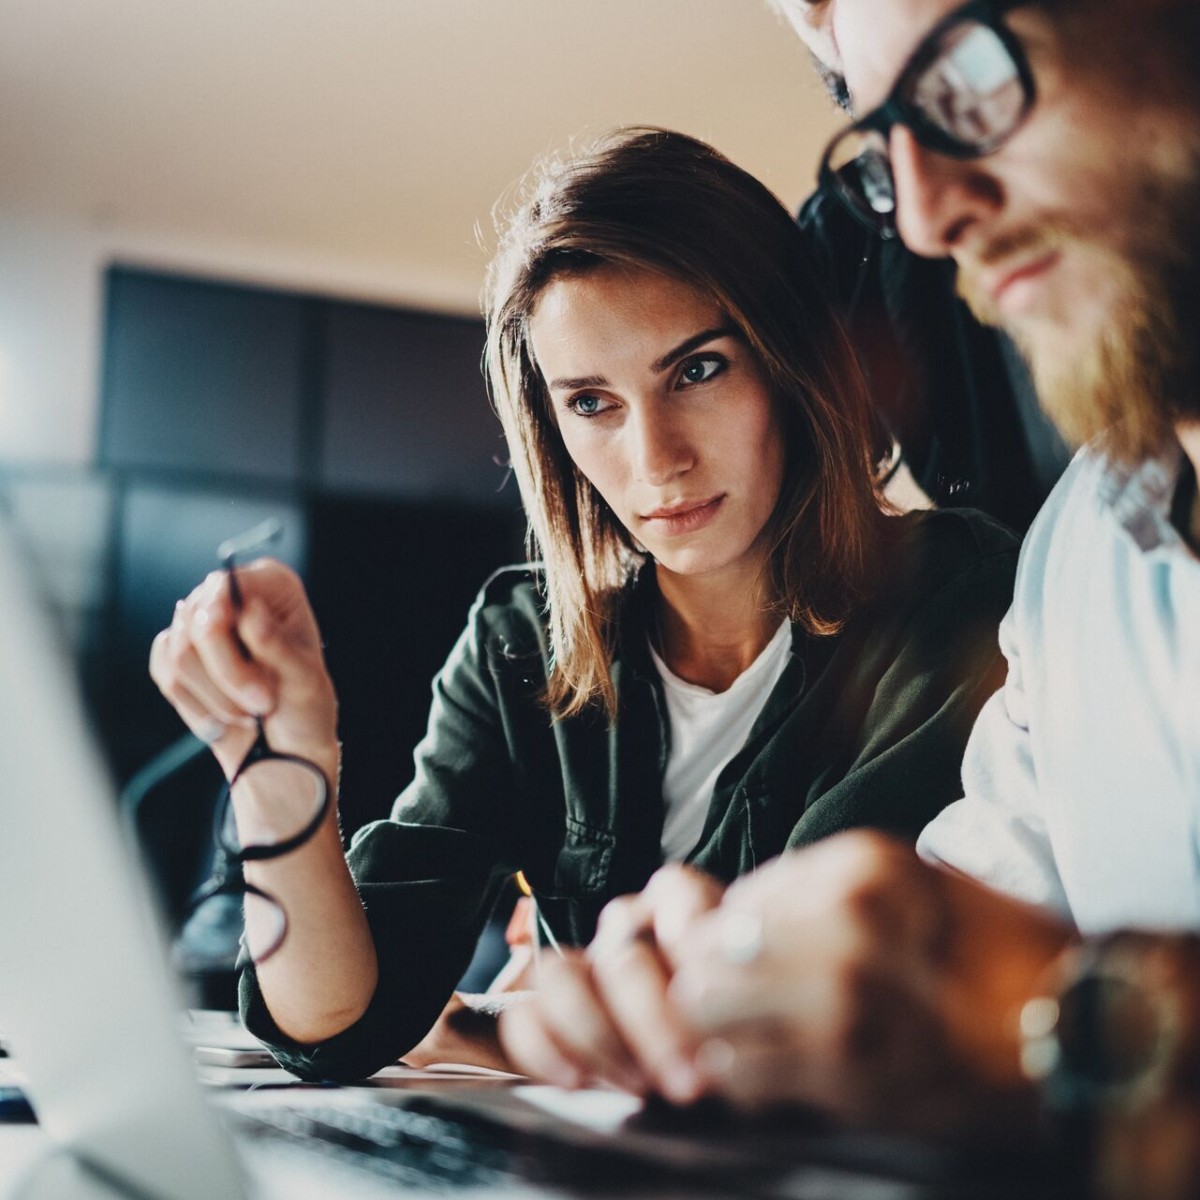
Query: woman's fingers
{"points": [[632, 981], [187, 657], [677, 896], [193, 678], [638, 939], [196, 717], [532, 1050], [578, 1020], [563, 1032], [213, 632], [225, 666], [203, 709]]}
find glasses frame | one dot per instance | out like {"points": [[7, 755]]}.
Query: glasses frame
{"points": [[227, 877], [895, 110], [261, 752]]}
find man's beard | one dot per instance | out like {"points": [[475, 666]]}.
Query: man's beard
{"points": [[1130, 381]]}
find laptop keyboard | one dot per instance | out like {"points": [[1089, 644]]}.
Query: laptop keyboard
{"points": [[422, 1145], [403, 1145]]}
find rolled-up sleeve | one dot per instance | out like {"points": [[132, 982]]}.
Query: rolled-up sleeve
{"points": [[997, 833]]}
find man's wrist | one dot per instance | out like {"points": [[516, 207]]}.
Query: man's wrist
{"points": [[1111, 1023]]}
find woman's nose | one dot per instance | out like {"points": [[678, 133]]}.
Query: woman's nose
{"points": [[662, 448]]}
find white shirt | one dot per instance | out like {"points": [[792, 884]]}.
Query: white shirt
{"points": [[707, 730], [1082, 775]]}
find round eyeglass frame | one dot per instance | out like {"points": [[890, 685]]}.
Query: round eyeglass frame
{"points": [[896, 110]]}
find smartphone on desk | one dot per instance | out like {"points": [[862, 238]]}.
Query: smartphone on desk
{"points": [[223, 1056]]}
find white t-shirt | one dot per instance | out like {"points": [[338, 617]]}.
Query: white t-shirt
{"points": [[707, 730]]}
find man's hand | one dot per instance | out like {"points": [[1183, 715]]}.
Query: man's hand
{"points": [[854, 978], [602, 1016]]}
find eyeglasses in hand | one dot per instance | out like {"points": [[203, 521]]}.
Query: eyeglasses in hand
{"points": [[964, 92], [272, 805]]}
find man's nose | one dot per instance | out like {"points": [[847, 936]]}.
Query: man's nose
{"points": [[662, 449], [938, 199]]}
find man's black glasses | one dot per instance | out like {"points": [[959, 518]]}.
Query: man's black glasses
{"points": [[964, 92], [273, 804]]}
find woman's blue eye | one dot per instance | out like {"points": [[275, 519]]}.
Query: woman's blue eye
{"points": [[587, 406], [701, 370]]}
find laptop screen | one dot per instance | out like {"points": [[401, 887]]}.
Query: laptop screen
{"points": [[86, 1000]]}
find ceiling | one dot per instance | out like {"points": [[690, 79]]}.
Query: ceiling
{"points": [[372, 134]]}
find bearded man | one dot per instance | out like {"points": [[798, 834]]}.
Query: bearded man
{"points": [[1043, 956], [1053, 152], [954, 395]]}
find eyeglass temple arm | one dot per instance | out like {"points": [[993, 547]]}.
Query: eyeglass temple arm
{"points": [[230, 550]]}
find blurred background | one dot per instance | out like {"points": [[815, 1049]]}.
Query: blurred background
{"points": [[241, 248]]}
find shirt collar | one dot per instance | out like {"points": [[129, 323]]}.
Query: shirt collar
{"points": [[1139, 498]]}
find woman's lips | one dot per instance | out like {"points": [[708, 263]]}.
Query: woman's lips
{"points": [[683, 518]]}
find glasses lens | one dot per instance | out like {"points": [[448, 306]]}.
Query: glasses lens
{"points": [[859, 166], [274, 801], [971, 91], [211, 937]]}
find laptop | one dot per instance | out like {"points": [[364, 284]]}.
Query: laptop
{"points": [[95, 1020], [86, 1003]]}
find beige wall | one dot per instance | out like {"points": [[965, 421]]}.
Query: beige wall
{"points": [[343, 146]]}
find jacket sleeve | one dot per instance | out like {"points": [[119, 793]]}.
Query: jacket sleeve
{"points": [[427, 877], [997, 833], [920, 704]]}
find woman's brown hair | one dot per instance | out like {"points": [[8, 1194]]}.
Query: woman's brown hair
{"points": [[653, 199]]}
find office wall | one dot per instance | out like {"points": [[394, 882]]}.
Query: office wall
{"points": [[365, 428], [49, 334], [225, 402], [51, 312], [52, 291]]}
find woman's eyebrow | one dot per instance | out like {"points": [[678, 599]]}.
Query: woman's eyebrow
{"points": [[689, 344], [577, 381], [659, 365]]}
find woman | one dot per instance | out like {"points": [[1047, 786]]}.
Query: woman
{"points": [[727, 648]]}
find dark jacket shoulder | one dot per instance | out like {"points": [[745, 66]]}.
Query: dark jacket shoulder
{"points": [[517, 588], [954, 537], [945, 579], [933, 548], [509, 612]]}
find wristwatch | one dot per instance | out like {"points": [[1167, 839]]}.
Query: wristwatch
{"points": [[1105, 1031]]}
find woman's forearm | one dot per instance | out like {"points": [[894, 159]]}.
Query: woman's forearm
{"points": [[322, 977]]}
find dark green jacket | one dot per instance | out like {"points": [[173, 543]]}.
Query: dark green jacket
{"points": [[864, 728]]}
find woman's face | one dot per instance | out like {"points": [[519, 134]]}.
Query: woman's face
{"points": [[666, 411]]}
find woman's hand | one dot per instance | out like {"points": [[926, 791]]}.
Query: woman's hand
{"points": [[602, 1016], [221, 669], [466, 1032]]}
